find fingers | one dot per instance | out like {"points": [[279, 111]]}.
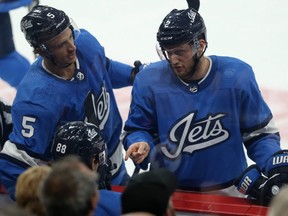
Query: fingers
{"points": [[137, 152], [128, 153], [137, 157], [141, 149]]}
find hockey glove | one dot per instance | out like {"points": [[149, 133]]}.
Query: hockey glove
{"points": [[251, 182], [136, 69], [277, 172]]}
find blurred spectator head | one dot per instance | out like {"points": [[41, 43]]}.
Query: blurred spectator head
{"points": [[149, 192]]}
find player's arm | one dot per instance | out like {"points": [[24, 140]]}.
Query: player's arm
{"points": [[140, 127], [120, 74], [33, 129], [260, 135]]}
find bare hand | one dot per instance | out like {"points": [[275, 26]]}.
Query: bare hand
{"points": [[137, 152]]}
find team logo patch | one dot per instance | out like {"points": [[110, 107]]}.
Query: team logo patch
{"points": [[191, 136]]}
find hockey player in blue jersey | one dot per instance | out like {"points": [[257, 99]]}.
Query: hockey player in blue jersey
{"points": [[13, 66], [192, 113], [85, 140], [71, 80]]}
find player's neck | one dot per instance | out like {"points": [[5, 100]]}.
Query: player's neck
{"points": [[202, 68], [63, 72]]}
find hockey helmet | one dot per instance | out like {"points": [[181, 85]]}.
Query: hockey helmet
{"points": [[181, 26], [82, 139], [42, 24]]}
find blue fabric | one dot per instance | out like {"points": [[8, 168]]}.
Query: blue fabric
{"points": [[44, 102], [200, 135], [109, 203], [13, 67], [10, 5]]}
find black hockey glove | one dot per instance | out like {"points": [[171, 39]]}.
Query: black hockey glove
{"points": [[277, 172], [251, 183], [135, 70]]}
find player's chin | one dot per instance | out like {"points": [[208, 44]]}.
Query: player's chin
{"points": [[179, 73], [71, 58], [70, 61], [178, 69]]}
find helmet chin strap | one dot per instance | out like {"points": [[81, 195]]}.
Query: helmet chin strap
{"points": [[196, 59]]}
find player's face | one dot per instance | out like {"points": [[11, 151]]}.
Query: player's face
{"points": [[63, 48], [181, 59]]}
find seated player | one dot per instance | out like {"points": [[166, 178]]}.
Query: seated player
{"points": [[85, 140]]}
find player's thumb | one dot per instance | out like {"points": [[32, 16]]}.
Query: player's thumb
{"points": [[128, 153]]}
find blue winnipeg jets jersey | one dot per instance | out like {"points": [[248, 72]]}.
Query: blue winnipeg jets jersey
{"points": [[44, 102], [197, 130]]}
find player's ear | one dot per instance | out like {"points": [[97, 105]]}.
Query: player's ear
{"points": [[94, 164], [38, 51], [202, 45]]}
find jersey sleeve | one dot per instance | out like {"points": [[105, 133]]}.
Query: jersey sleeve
{"points": [[33, 127], [260, 135], [140, 125], [119, 73]]}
